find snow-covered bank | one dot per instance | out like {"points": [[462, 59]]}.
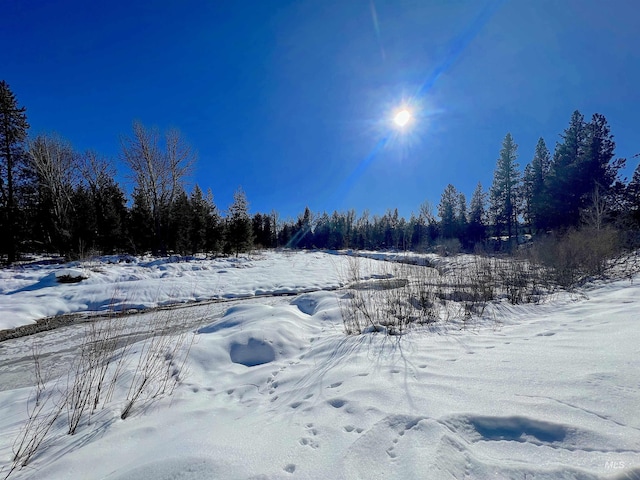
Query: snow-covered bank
{"points": [[30, 293], [277, 391]]}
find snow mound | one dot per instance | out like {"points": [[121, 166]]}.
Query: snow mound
{"points": [[252, 335], [312, 303]]}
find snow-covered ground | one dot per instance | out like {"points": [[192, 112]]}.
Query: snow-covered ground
{"points": [[276, 390], [28, 293]]}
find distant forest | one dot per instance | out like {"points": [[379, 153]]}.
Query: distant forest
{"points": [[56, 199]]}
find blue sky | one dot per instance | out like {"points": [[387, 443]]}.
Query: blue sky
{"points": [[292, 99]]}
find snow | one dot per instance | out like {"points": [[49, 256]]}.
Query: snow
{"points": [[31, 293], [274, 388]]}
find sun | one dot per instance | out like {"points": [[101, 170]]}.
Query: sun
{"points": [[402, 117]]}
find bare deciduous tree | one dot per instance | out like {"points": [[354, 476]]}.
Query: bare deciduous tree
{"points": [[57, 168], [96, 170], [158, 173], [594, 215]]}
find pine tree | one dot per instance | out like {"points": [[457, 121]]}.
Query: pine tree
{"points": [[14, 169], [303, 236], [632, 194], [200, 214], [180, 226], [447, 212], [215, 227], [111, 217], [563, 202], [108, 202], [239, 229], [461, 218], [582, 162], [476, 230], [322, 231], [140, 227], [535, 175], [82, 221], [262, 230], [504, 194]]}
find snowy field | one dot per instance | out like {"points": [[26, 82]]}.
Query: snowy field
{"points": [[272, 388]]}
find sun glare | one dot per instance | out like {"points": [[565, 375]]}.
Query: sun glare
{"points": [[402, 117]]}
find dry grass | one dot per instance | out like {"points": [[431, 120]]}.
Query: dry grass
{"points": [[461, 287], [99, 376]]}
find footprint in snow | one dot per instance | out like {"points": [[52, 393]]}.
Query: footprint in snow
{"points": [[308, 442], [337, 402], [351, 428]]}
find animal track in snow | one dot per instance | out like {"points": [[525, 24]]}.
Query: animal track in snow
{"points": [[337, 402], [402, 425], [309, 442], [351, 428], [310, 428]]}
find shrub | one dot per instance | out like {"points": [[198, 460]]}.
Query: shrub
{"points": [[577, 255]]}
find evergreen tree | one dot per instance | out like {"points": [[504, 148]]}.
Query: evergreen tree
{"points": [[504, 194], [274, 220], [632, 194], [337, 232], [14, 169], [582, 162], [82, 222], [284, 234], [180, 226], [141, 224], [322, 231], [108, 202], [111, 217], [428, 222], [535, 176], [461, 218], [239, 228], [476, 230], [267, 231], [303, 236], [563, 198], [215, 227], [263, 230], [200, 214], [449, 205]]}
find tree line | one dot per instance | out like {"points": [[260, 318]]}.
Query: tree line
{"points": [[56, 199]]}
